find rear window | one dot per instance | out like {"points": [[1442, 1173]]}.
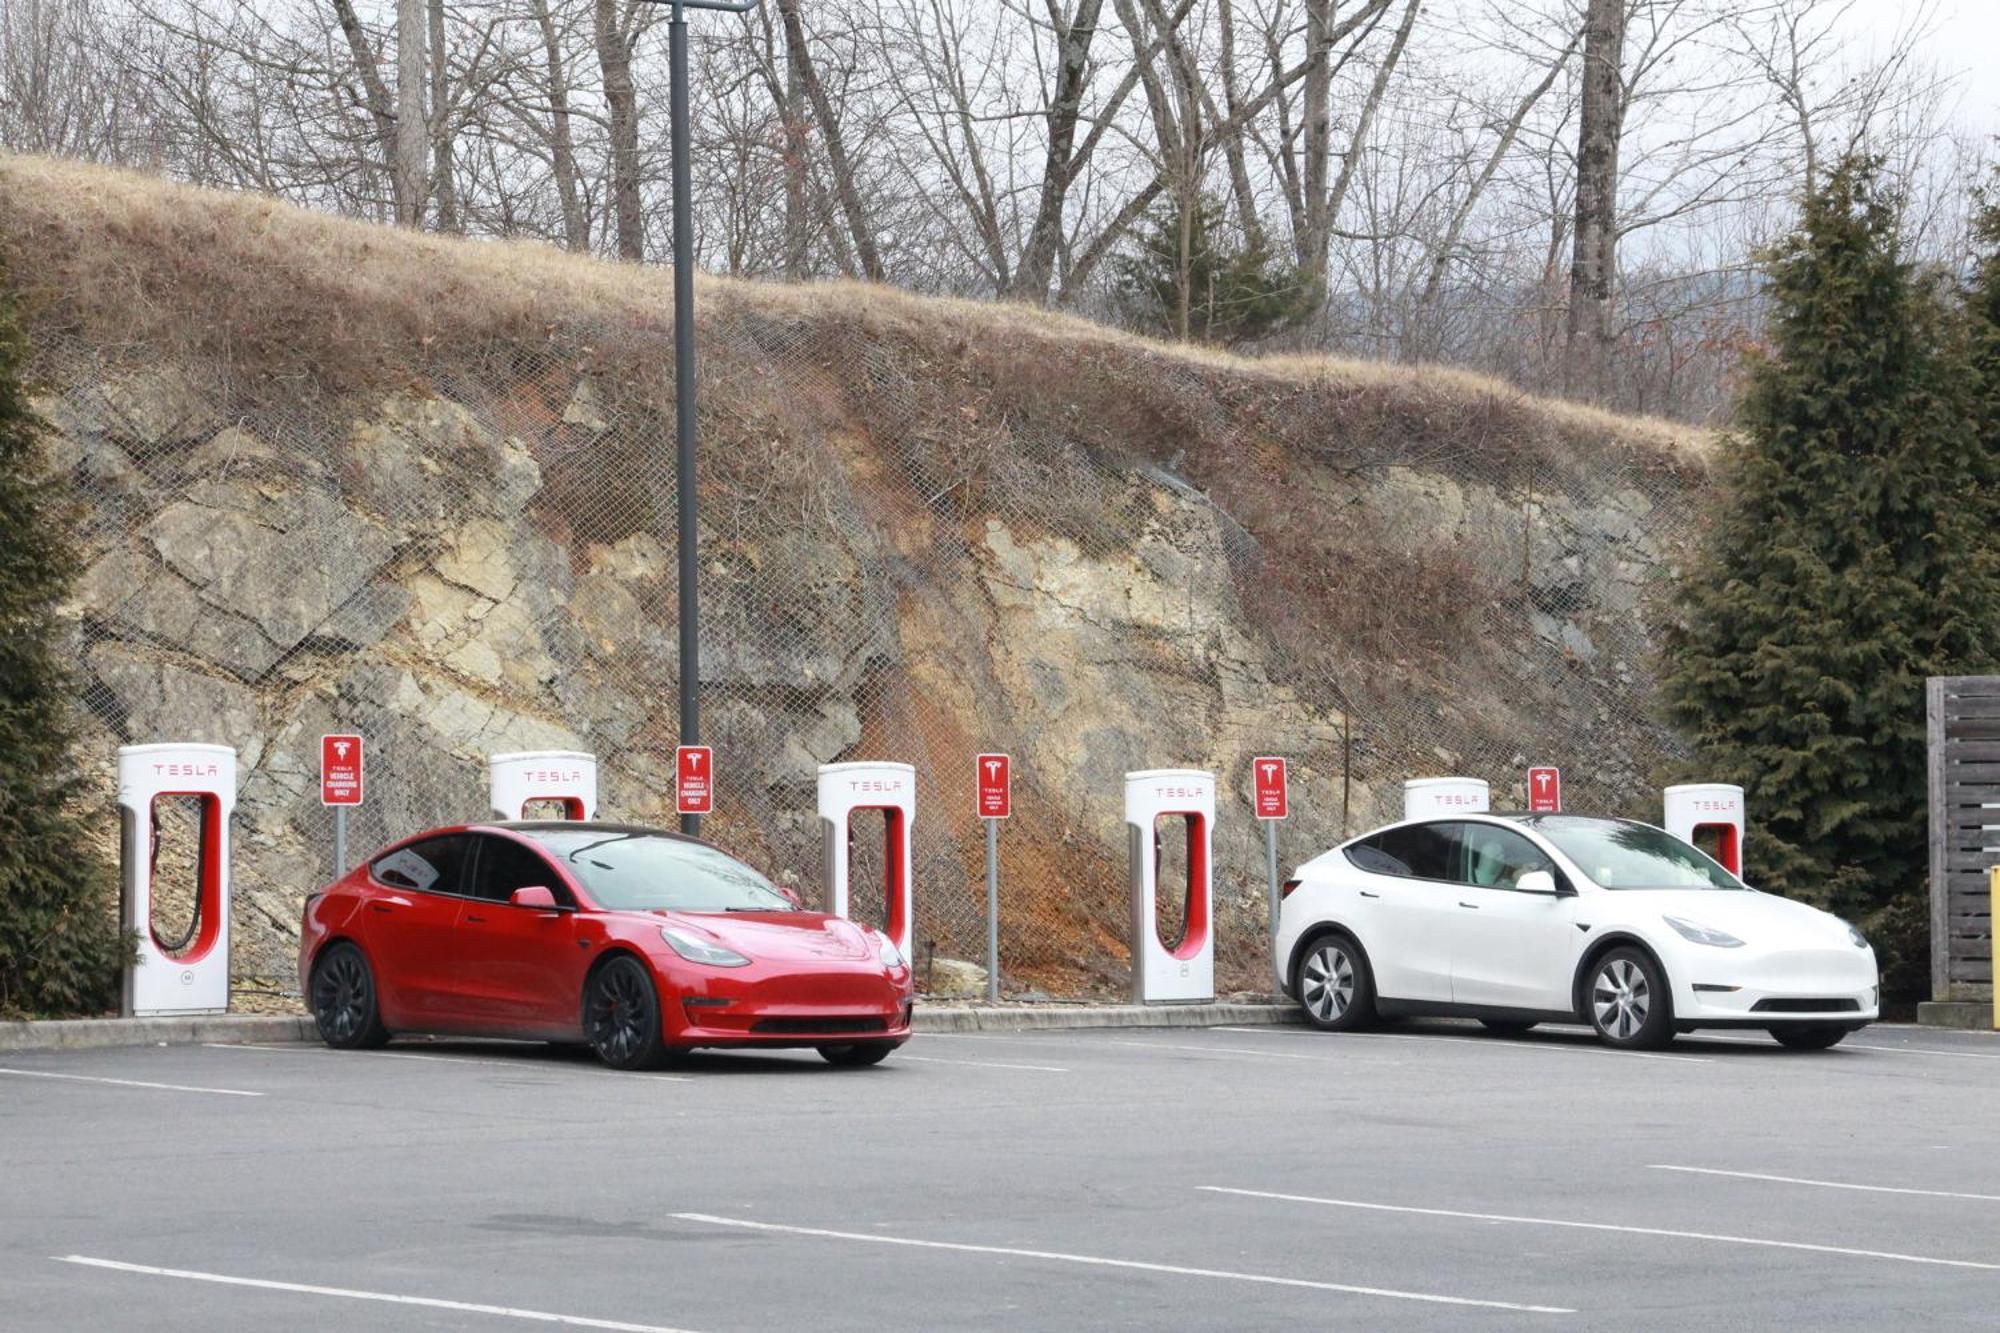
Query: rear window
{"points": [[435, 865], [637, 871], [1415, 851]]}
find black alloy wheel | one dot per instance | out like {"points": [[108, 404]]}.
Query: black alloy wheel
{"points": [[621, 1015], [343, 1000]]}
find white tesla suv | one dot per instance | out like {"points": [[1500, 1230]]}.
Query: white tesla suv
{"points": [[1523, 919]]}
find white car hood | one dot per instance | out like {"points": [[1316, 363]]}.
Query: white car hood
{"points": [[1761, 919]]}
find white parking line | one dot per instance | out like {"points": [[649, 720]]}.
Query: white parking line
{"points": [[129, 1082], [1924, 1050], [1098, 1261], [979, 1064], [1606, 1226], [524, 1064], [1824, 1184], [349, 1293], [1217, 1050], [1491, 1043]]}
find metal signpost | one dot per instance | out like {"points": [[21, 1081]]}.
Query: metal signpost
{"points": [[684, 475], [694, 783], [340, 783], [996, 802], [1545, 791], [1271, 800]]}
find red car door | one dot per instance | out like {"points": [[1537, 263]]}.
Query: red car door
{"points": [[520, 968], [410, 927]]}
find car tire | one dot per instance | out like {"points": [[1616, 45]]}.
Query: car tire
{"points": [[1811, 1037], [621, 1014], [1627, 1002], [1507, 1027], [1333, 983], [344, 1006], [857, 1055]]}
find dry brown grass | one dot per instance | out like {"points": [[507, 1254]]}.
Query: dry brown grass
{"points": [[265, 290]]}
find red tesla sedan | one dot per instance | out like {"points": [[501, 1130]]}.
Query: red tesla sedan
{"points": [[643, 943]]}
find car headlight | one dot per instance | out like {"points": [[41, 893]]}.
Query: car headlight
{"points": [[891, 956], [1701, 934], [1854, 933], [701, 951]]}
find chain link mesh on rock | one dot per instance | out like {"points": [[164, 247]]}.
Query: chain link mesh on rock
{"points": [[916, 545]]}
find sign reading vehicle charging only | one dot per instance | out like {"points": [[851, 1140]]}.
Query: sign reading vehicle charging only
{"points": [[1272, 790], [340, 775], [1545, 791], [694, 789], [996, 791]]}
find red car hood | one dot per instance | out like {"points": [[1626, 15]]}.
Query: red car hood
{"points": [[787, 936]]}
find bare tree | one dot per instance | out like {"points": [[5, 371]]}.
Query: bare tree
{"points": [[1593, 265]]}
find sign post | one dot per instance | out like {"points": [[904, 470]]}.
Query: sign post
{"points": [[1271, 802], [694, 780], [996, 802], [340, 785], [1545, 791]]}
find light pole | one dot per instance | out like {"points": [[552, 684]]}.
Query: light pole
{"points": [[684, 474]]}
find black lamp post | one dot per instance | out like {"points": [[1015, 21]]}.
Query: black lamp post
{"points": [[684, 476]]}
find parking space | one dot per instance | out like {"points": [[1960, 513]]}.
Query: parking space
{"points": [[1420, 1176]]}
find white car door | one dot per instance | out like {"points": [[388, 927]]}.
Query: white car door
{"points": [[1509, 948], [1404, 909]]}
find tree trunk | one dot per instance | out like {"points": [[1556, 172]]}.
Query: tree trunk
{"points": [[1594, 258], [381, 110], [614, 59], [562, 139], [844, 185], [443, 165], [798, 207], [412, 71]]}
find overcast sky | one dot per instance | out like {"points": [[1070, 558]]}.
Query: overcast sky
{"points": [[1964, 40]]}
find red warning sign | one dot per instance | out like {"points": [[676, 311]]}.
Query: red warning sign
{"points": [[340, 770], [1545, 790], [1272, 799], [694, 791], [996, 787]]}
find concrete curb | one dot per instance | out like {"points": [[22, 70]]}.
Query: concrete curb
{"points": [[1052, 1017], [1971, 1015], [82, 1034]]}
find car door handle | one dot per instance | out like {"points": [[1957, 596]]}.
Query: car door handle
{"points": [[380, 907], [1366, 894], [480, 919], [1473, 906]]}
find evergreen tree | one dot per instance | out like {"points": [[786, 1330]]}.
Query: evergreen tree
{"points": [[1854, 556], [60, 942], [1234, 292]]}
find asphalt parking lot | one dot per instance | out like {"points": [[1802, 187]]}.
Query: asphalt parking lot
{"points": [[1421, 1177]]}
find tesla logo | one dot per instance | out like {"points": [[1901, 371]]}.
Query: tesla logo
{"points": [[694, 761], [1181, 793], [170, 770], [1716, 807], [875, 784], [992, 769], [340, 749]]}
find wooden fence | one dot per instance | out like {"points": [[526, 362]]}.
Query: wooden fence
{"points": [[1964, 717]]}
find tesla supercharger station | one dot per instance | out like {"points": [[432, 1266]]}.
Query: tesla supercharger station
{"points": [[892, 789], [1428, 798], [189, 976], [566, 777], [1184, 972], [1709, 810]]}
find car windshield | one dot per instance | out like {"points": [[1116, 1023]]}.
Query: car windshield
{"points": [[635, 871], [1619, 854]]}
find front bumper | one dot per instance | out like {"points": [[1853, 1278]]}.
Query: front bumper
{"points": [[1778, 987], [768, 1006]]}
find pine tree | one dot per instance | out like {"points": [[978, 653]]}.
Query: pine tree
{"points": [[60, 942], [1853, 557], [1234, 292]]}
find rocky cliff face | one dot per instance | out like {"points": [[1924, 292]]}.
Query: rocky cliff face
{"points": [[434, 504]]}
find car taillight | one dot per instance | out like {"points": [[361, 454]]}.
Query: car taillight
{"points": [[1286, 891]]}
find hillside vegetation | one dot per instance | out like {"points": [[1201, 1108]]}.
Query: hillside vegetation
{"points": [[340, 476]]}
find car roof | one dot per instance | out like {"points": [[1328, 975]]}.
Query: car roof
{"points": [[533, 826]]}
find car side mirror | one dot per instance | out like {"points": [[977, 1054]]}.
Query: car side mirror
{"points": [[1539, 881], [536, 896], [792, 896]]}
